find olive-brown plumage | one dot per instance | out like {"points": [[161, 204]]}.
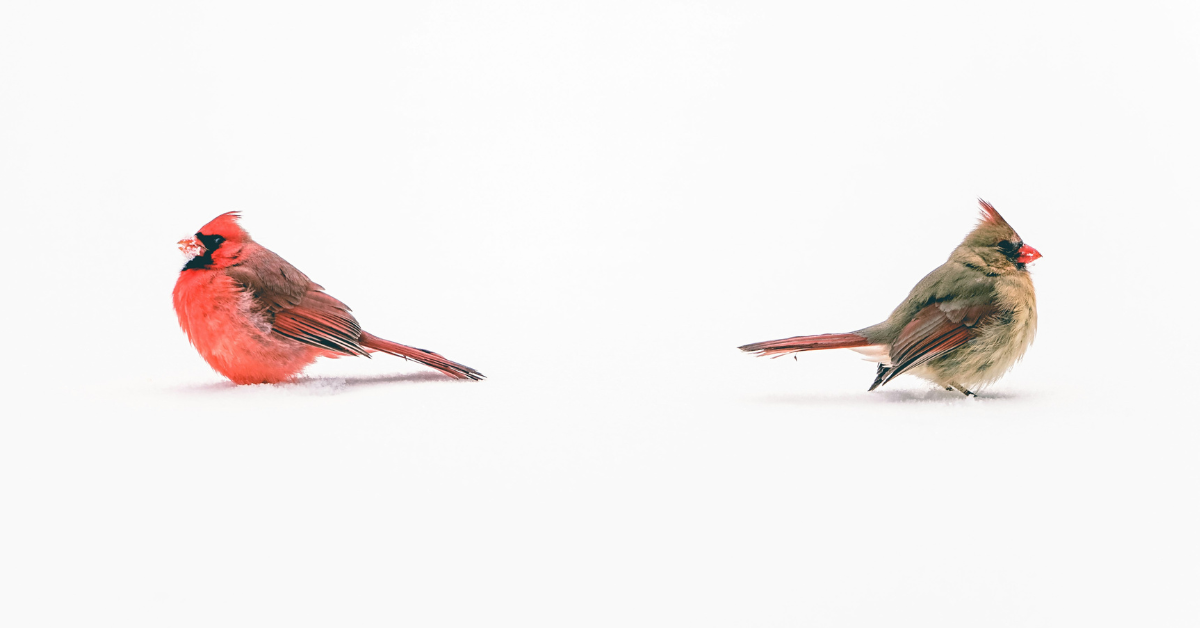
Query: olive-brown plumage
{"points": [[964, 325]]}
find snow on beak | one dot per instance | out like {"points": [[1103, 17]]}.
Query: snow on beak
{"points": [[1027, 254], [191, 248]]}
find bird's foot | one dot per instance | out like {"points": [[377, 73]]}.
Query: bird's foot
{"points": [[962, 390]]}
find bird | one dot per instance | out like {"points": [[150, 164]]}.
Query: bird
{"points": [[964, 325], [256, 319]]}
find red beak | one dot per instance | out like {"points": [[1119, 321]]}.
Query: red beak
{"points": [[1027, 254]]}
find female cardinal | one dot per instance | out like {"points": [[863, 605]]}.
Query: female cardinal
{"points": [[257, 320], [964, 325]]}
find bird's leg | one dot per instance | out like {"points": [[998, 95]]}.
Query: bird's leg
{"points": [[961, 390]]}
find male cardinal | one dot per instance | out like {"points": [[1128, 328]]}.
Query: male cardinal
{"points": [[257, 320], [964, 325]]}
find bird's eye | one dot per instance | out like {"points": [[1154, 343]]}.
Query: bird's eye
{"points": [[210, 242], [1007, 246]]}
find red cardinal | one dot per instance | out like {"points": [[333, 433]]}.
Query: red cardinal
{"points": [[257, 320], [964, 325]]}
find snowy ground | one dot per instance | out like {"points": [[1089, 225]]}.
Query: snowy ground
{"points": [[601, 201]]}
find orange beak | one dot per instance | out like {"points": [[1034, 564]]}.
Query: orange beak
{"points": [[191, 248], [1027, 254]]}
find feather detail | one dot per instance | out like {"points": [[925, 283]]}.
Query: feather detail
{"points": [[321, 321], [776, 348], [428, 358], [989, 216], [936, 329], [988, 213], [227, 226]]}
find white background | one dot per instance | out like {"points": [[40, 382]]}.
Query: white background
{"points": [[594, 203]]}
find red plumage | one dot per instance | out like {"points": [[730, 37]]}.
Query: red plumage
{"points": [[989, 213], [776, 348], [257, 319]]}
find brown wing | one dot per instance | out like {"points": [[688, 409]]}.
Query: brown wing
{"points": [[936, 329], [275, 284], [295, 306], [321, 321]]}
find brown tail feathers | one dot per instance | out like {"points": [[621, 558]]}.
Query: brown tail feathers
{"points": [[776, 348], [428, 358]]}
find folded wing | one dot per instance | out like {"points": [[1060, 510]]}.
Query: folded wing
{"points": [[295, 306], [936, 329]]}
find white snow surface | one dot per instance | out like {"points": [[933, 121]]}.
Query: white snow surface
{"points": [[594, 204]]}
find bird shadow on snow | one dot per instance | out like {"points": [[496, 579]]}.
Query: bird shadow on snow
{"points": [[325, 385], [375, 380], [903, 395]]}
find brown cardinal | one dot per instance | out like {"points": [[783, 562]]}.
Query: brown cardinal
{"points": [[964, 325], [257, 320]]}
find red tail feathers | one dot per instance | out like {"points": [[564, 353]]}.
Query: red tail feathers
{"points": [[428, 358], [775, 348]]}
